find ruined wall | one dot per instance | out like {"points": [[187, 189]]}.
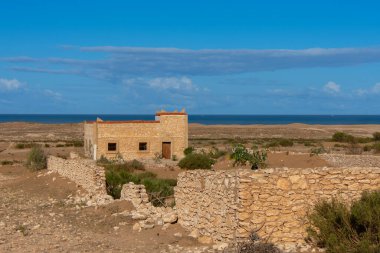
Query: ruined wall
{"points": [[279, 199], [275, 199], [342, 160], [206, 201], [83, 172]]}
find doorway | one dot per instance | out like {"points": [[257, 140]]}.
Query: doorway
{"points": [[166, 150]]}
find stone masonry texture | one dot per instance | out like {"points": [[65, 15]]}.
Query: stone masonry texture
{"points": [[83, 172], [168, 127], [341, 160], [228, 205]]}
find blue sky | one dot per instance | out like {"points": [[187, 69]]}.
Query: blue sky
{"points": [[211, 57]]}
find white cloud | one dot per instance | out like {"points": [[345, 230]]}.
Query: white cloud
{"points": [[373, 90], [52, 94], [9, 84], [332, 87], [376, 88], [182, 83]]}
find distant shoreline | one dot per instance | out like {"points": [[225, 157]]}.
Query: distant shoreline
{"points": [[203, 119]]}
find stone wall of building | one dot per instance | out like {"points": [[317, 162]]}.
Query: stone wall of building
{"points": [[171, 128], [207, 203], [83, 172], [342, 160], [275, 202]]}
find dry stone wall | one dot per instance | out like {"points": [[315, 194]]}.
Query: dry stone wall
{"points": [[206, 203], [228, 205], [81, 171], [342, 160]]}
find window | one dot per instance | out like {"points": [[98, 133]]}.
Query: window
{"points": [[112, 146], [143, 146]]}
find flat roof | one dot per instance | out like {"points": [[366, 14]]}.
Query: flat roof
{"points": [[170, 113], [123, 122]]}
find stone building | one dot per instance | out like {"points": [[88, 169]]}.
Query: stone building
{"points": [[166, 136]]}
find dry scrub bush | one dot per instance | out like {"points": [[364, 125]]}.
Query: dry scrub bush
{"points": [[195, 161], [255, 245], [36, 159], [343, 229]]}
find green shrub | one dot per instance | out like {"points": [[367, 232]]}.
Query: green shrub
{"points": [[78, 143], [6, 162], [367, 148], [376, 147], [188, 151], [36, 159], [47, 145], [242, 156], [286, 143], [272, 144], [103, 160], [59, 145], [135, 165], [318, 150], [339, 228], [343, 137], [23, 145], [158, 189], [196, 161], [216, 153], [376, 136]]}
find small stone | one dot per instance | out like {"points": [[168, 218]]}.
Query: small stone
{"points": [[178, 235], [36, 227], [205, 239], [165, 226], [194, 233], [159, 222], [116, 228], [170, 217], [136, 227], [220, 246], [138, 216]]}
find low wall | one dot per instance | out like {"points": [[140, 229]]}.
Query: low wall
{"points": [[207, 201], [231, 204], [342, 160], [83, 172]]}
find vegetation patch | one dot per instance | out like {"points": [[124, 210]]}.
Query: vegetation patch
{"points": [[6, 162], [188, 151], [340, 228], [216, 153], [241, 156], [24, 145], [36, 159], [195, 161], [158, 189]]}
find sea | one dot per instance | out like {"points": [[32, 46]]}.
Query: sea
{"points": [[202, 119]]}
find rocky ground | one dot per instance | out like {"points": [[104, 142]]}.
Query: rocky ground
{"points": [[36, 216]]}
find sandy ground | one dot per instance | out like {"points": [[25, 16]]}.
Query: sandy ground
{"points": [[296, 131], [56, 132], [35, 218]]}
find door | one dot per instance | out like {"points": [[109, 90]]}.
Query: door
{"points": [[166, 150]]}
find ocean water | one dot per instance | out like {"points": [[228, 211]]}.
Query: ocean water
{"points": [[202, 119]]}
